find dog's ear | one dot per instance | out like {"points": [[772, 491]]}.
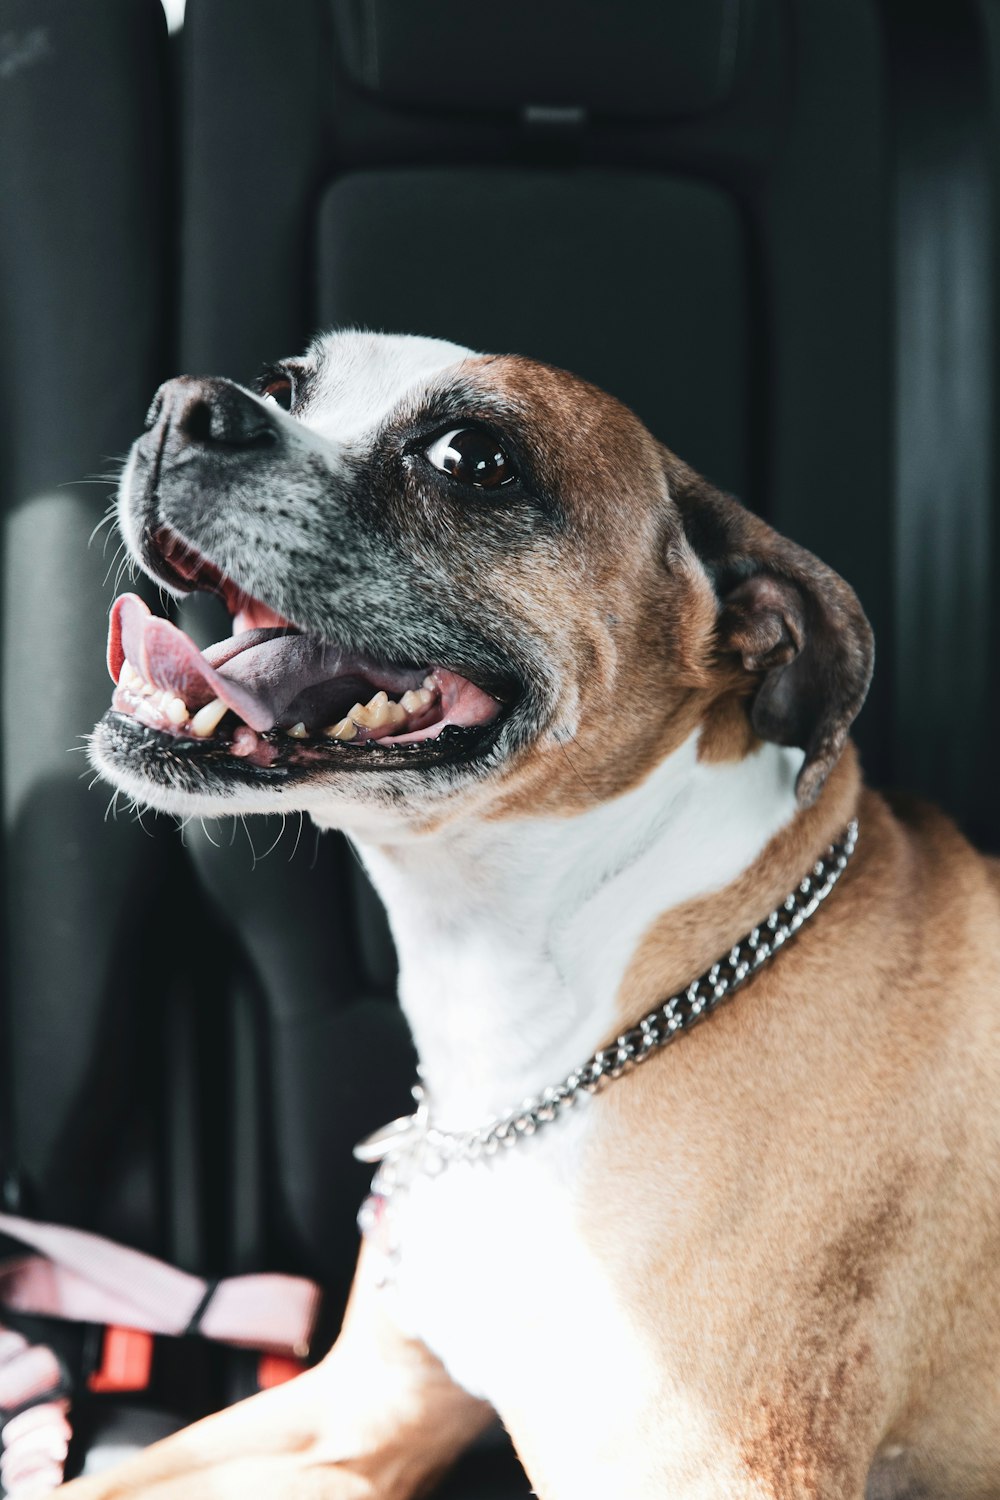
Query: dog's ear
{"points": [[794, 623]]}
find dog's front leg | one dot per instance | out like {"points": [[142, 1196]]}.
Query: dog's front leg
{"points": [[379, 1417]]}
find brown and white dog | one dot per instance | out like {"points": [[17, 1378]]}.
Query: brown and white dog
{"points": [[586, 721]]}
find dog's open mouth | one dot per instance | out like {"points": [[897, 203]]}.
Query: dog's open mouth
{"points": [[271, 693]]}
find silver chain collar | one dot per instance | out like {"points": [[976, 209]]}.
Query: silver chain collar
{"points": [[413, 1145]]}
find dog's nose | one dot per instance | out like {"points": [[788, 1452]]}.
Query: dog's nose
{"points": [[209, 413]]}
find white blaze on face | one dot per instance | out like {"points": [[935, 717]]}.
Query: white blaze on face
{"points": [[362, 378]]}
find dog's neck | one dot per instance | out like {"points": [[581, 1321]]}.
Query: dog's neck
{"points": [[514, 937]]}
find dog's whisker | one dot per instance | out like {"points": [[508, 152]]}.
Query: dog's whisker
{"points": [[121, 562], [113, 564], [107, 520], [280, 835], [594, 795], [136, 811], [298, 836], [249, 839], [204, 829]]}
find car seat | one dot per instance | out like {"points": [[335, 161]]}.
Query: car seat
{"points": [[762, 223]]}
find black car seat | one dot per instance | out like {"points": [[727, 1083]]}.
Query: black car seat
{"points": [[85, 253], [721, 210]]}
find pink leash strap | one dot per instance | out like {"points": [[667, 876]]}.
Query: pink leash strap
{"points": [[88, 1279], [85, 1278]]}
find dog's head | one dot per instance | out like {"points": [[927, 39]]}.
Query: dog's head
{"points": [[458, 582]]}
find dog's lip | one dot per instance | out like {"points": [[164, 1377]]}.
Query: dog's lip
{"points": [[278, 760], [183, 568], [173, 561]]}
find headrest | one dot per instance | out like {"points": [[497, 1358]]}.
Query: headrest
{"points": [[645, 59], [634, 280]]}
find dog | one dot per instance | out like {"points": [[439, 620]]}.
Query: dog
{"points": [[586, 721]]}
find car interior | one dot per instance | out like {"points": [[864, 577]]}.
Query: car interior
{"points": [[766, 225]]}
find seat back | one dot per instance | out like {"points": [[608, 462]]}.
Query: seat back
{"points": [[686, 203], [84, 263]]}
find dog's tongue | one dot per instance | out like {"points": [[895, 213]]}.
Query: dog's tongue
{"points": [[274, 677], [257, 673]]}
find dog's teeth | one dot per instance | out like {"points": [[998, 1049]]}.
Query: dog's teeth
{"points": [[207, 719], [345, 730], [379, 713], [416, 699], [298, 731], [389, 715], [176, 710], [371, 714], [430, 684]]}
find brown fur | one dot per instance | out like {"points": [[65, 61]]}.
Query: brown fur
{"points": [[798, 1203], [624, 607], [628, 627], [840, 1163]]}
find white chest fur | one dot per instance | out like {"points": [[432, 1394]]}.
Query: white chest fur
{"points": [[513, 938], [513, 943], [496, 1277], [493, 1269]]}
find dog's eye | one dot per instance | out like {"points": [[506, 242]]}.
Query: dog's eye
{"points": [[471, 456], [279, 390]]}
